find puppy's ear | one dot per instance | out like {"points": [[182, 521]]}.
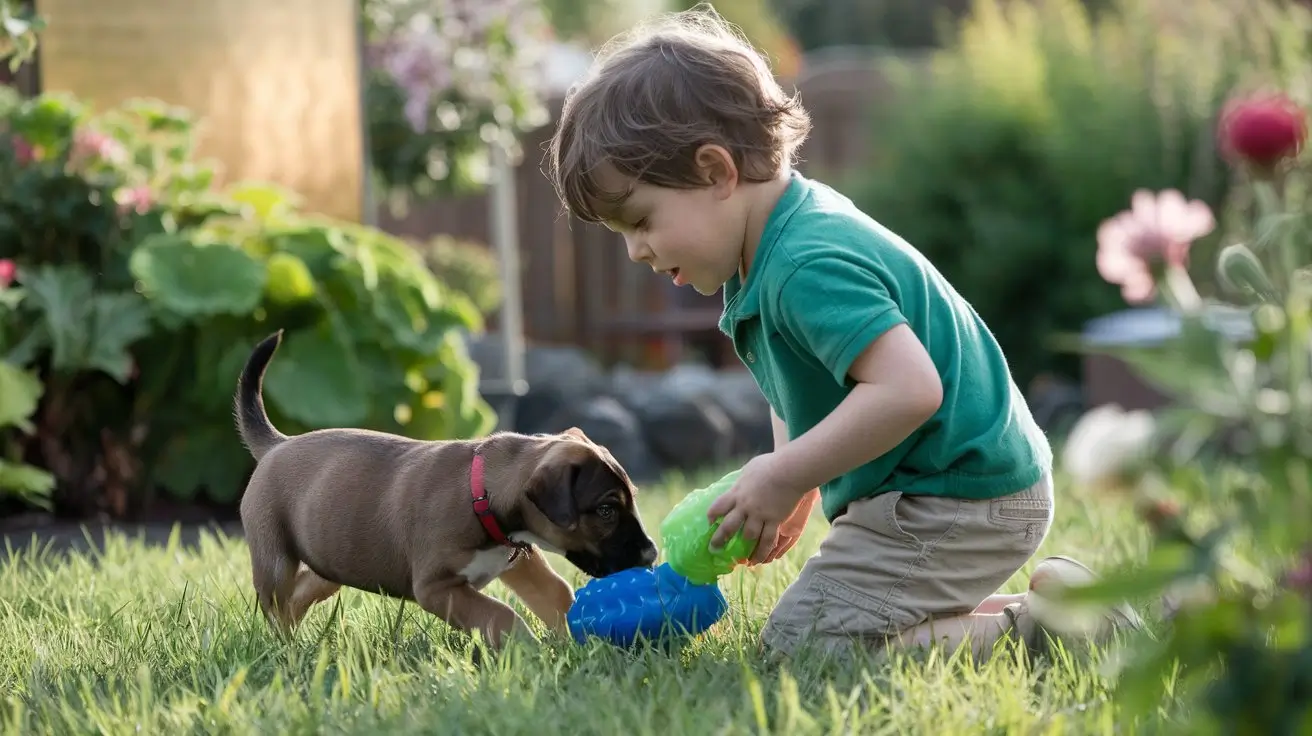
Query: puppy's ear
{"points": [[551, 490], [577, 434]]}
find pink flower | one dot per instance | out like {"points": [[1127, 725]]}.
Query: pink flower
{"points": [[23, 151], [1262, 129], [1156, 229], [137, 199], [92, 145], [8, 269]]}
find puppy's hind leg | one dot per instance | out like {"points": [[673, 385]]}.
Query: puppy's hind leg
{"points": [[273, 574], [309, 590]]}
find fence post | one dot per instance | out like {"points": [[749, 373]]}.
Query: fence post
{"points": [[504, 392]]}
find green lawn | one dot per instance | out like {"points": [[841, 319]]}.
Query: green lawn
{"points": [[165, 640]]}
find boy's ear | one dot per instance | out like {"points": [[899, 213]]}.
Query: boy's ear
{"points": [[716, 165]]}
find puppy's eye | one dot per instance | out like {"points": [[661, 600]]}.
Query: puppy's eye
{"points": [[606, 512]]}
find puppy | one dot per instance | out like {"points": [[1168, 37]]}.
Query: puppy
{"points": [[430, 522]]}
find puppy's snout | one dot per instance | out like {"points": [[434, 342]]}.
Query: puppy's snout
{"points": [[648, 555]]}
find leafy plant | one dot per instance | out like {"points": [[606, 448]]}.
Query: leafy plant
{"points": [[1232, 550], [467, 267], [19, 29], [20, 390], [143, 291]]}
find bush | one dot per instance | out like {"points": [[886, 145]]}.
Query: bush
{"points": [[467, 267], [139, 292], [999, 160]]}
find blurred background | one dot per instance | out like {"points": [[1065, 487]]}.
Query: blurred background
{"points": [[184, 177]]}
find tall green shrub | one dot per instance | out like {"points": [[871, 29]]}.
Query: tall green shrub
{"points": [[1000, 158]]}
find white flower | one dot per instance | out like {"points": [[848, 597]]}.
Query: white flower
{"points": [[1105, 442]]}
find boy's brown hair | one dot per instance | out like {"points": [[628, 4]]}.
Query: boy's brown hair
{"points": [[657, 94]]}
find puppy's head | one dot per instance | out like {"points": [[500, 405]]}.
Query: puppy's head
{"points": [[583, 505]]}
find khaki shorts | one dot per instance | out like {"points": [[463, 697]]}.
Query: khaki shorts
{"points": [[895, 561]]}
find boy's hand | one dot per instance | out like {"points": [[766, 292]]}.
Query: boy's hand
{"points": [[757, 504], [791, 530]]}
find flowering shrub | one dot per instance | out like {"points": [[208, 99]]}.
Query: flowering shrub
{"points": [[1223, 478], [445, 80], [131, 293]]}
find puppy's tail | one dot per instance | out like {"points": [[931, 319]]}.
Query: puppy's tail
{"points": [[257, 432]]}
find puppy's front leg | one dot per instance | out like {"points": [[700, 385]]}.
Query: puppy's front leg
{"points": [[542, 589], [458, 604]]}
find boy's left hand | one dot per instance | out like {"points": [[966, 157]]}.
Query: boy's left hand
{"points": [[758, 503]]}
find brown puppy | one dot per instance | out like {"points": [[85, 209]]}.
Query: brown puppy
{"points": [[403, 518]]}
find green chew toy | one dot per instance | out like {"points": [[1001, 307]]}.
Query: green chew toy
{"points": [[686, 536]]}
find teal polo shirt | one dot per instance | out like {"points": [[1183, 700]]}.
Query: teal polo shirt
{"points": [[827, 280]]}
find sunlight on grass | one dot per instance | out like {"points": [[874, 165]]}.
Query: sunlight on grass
{"points": [[166, 640]]}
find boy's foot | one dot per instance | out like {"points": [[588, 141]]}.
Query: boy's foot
{"points": [[1038, 617]]}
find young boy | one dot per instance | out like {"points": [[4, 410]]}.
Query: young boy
{"points": [[893, 405]]}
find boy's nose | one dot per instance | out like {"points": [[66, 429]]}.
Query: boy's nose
{"points": [[638, 251]]}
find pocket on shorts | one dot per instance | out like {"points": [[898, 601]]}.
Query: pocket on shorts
{"points": [[1028, 512], [917, 521]]}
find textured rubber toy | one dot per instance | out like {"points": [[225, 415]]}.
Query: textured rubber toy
{"points": [[656, 605], [686, 536]]}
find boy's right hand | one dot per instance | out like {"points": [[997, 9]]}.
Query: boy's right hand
{"points": [[791, 530]]}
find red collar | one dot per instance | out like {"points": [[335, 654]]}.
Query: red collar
{"points": [[482, 507]]}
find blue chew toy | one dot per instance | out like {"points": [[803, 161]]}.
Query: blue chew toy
{"points": [[641, 603], [681, 597]]}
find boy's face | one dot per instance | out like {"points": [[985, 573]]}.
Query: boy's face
{"points": [[694, 235]]}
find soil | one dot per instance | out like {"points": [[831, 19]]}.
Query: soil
{"points": [[59, 535]]}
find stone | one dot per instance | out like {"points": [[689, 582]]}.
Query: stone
{"points": [[608, 423], [683, 423], [737, 393], [556, 376]]}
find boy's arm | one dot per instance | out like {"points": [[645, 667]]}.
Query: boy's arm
{"points": [[781, 439], [897, 389]]}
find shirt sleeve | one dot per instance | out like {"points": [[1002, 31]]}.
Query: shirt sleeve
{"points": [[833, 308]]}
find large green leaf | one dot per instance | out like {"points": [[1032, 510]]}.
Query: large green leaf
{"points": [[315, 378], [30, 484], [20, 390], [266, 201], [117, 321], [86, 330], [211, 458], [198, 279], [416, 317]]}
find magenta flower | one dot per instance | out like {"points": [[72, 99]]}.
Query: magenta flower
{"points": [[8, 270], [1156, 229], [1262, 129]]}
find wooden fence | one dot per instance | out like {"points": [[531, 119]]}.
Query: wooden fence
{"points": [[578, 286]]}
